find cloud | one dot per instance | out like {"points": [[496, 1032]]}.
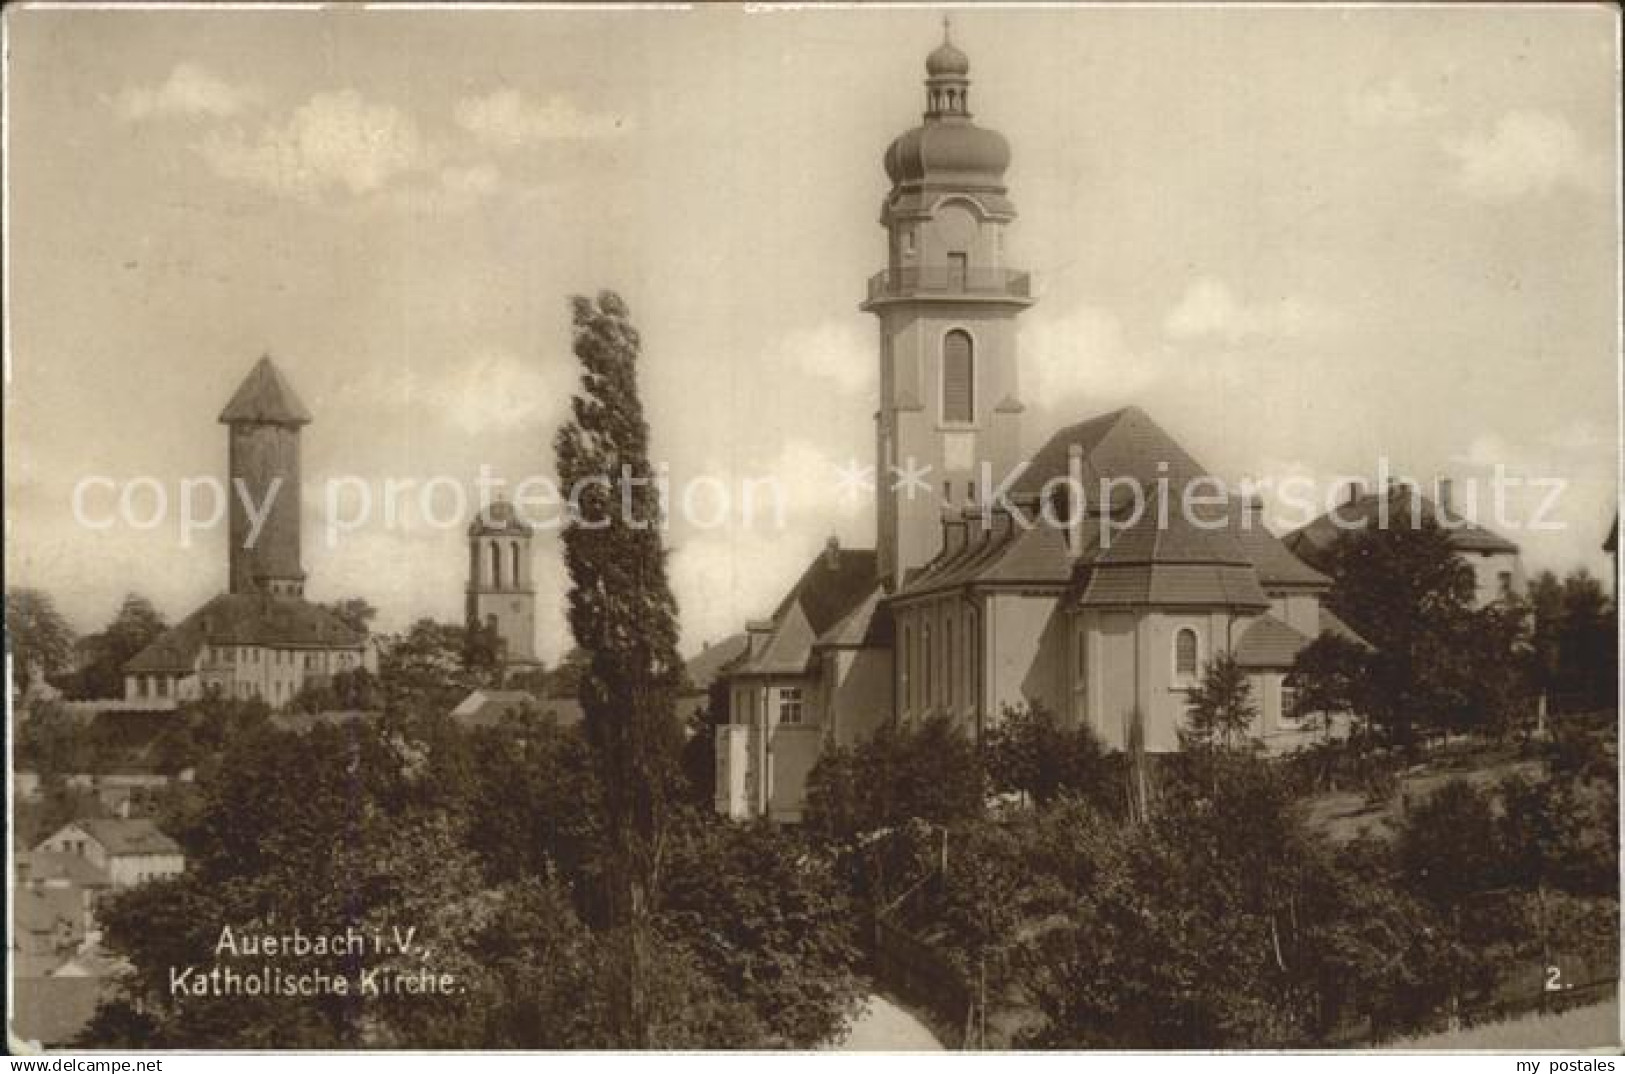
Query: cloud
{"points": [[334, 140], [1210, 309], [1391, 103], [1082, 356], [1526, 152], [188, 91], [840, 351], [508, 119], [488, 392]]}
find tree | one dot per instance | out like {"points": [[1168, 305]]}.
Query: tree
{"points": [[766, 918], [354, 612], [1435, 662], [622, 613], [136, 626], [924, 770], [1222, 709], [1573, 641], [1030, 751], [426, 669], [41, 641]]}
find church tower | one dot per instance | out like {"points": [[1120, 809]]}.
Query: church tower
{"points": [[947, 304], [500, 593], [264, 418]]}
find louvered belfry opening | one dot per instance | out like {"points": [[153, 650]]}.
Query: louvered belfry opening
{"points": [[958, 377]]}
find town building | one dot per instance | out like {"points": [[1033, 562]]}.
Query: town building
{"points": [[129, 851], [261, 638], [1496, 563], [973, 602]]}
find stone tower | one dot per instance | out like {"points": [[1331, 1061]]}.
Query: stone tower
{"points": [[500, 593], [947, 305], [264, 418]]}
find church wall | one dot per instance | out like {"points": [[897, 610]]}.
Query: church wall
{"points": [[860, 694], [1301, 611], [1026, 637]]}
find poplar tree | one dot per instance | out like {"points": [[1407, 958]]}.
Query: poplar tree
{"points": [[624, 618]]}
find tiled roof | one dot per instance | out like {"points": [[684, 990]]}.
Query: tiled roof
{"points": [[47, 866], [52, 1010], [832, 585], [133, 836], [1331, 624], [1269, 643], [39, 909], [246, 619], [266, 397], [487, 708], [709, 662], [868, 625], [1124, 444], [1231, 559], [835, 584], [1369, 510]]}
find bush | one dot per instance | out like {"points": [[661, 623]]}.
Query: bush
{"points": [[1030, 751]]}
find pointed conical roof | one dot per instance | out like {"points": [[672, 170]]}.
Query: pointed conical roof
{"points": [[265, 397]]}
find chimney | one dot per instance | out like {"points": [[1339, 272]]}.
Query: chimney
{"points": [[953, 532], [1075, 492], [832, 552], [1354, 490], [759, 630]]}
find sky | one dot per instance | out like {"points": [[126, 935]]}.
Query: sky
{"points": [[1302, 239]]}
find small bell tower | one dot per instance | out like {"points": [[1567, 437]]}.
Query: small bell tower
{"points": [[500, 593]]}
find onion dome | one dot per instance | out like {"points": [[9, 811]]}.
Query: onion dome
{"points": [[946, 59], [948, 150]]}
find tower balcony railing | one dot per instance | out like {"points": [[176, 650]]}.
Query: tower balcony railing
{"points": [[941, 280]]}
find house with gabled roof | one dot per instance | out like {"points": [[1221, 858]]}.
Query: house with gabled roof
{"points": [[129, 851], [1496, 563], [1059, 579]]}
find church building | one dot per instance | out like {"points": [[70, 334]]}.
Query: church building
{"points": [[972, 601], [261, 638]]}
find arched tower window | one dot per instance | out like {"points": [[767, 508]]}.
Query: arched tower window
{"points": [[513, 570], [1185, 656], [958, 377], [496, 565]]}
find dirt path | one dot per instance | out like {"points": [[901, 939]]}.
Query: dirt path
{"points": [[884, 1026]]}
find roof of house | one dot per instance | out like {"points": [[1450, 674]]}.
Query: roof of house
{"points": [[38, 910], [869, 625], [121, 836], [1269, 642], [710, 661], [265, 397], [486, 708], [1393, 508], [246, 619], [52, 1010], [834, 585], [1119, 445], [52, 866]]}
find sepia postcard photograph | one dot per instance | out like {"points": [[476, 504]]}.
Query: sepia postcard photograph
{"points": [[812, 528]]}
